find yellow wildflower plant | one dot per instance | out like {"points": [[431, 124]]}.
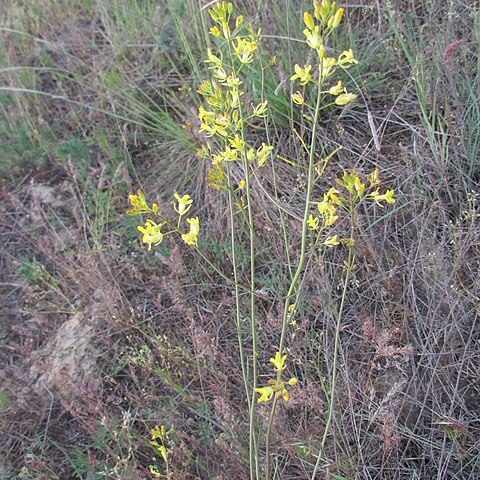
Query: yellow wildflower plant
{"points": [[158, 440], [358, 190], [191, 238], [151, 233], [139, 205]]}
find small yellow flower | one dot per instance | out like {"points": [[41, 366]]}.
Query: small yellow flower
{"points": [[158, 432], [373, 178], [139, 204], [293, 381], [239, 21], [332, 197], [162, 450], [302, 74], [313, 38], [313, 222], [346, 58], [262, 154], [337, 89], [327, 67], [331, 241], [297, 98], [236, 142], [279, 361], [328, 212], [261, 109], [389, 198], [266, 393], [242, 184], [151, 233], [184, 204], [345, 98], [211, 58], [359, 187], [349, 242], [244, 50], [214, 31], [155, 472], [191, 238]]}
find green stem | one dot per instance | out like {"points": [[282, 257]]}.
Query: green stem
{"points": [[292, 291], [253, 457], [331, 406], [301, 262], [237, 292], [268, 437]]}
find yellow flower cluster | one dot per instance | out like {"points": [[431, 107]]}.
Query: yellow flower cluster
{"points": [[221, 117], [325, 19], [276, 387], [139, 204], [354, 192], [152, 231]]}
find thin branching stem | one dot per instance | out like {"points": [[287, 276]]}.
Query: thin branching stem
{"points": [[331, 406], [253, 454], [238, 318], [293, 291]]}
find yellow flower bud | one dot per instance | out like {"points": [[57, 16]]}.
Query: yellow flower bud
{"points": [[345, 98], [308, 19], [297, 98], [331, 241], [337, 89], [337, 18], [239, 21]]}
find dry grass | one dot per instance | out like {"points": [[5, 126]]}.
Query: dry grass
{"points": [[155, 337]]}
